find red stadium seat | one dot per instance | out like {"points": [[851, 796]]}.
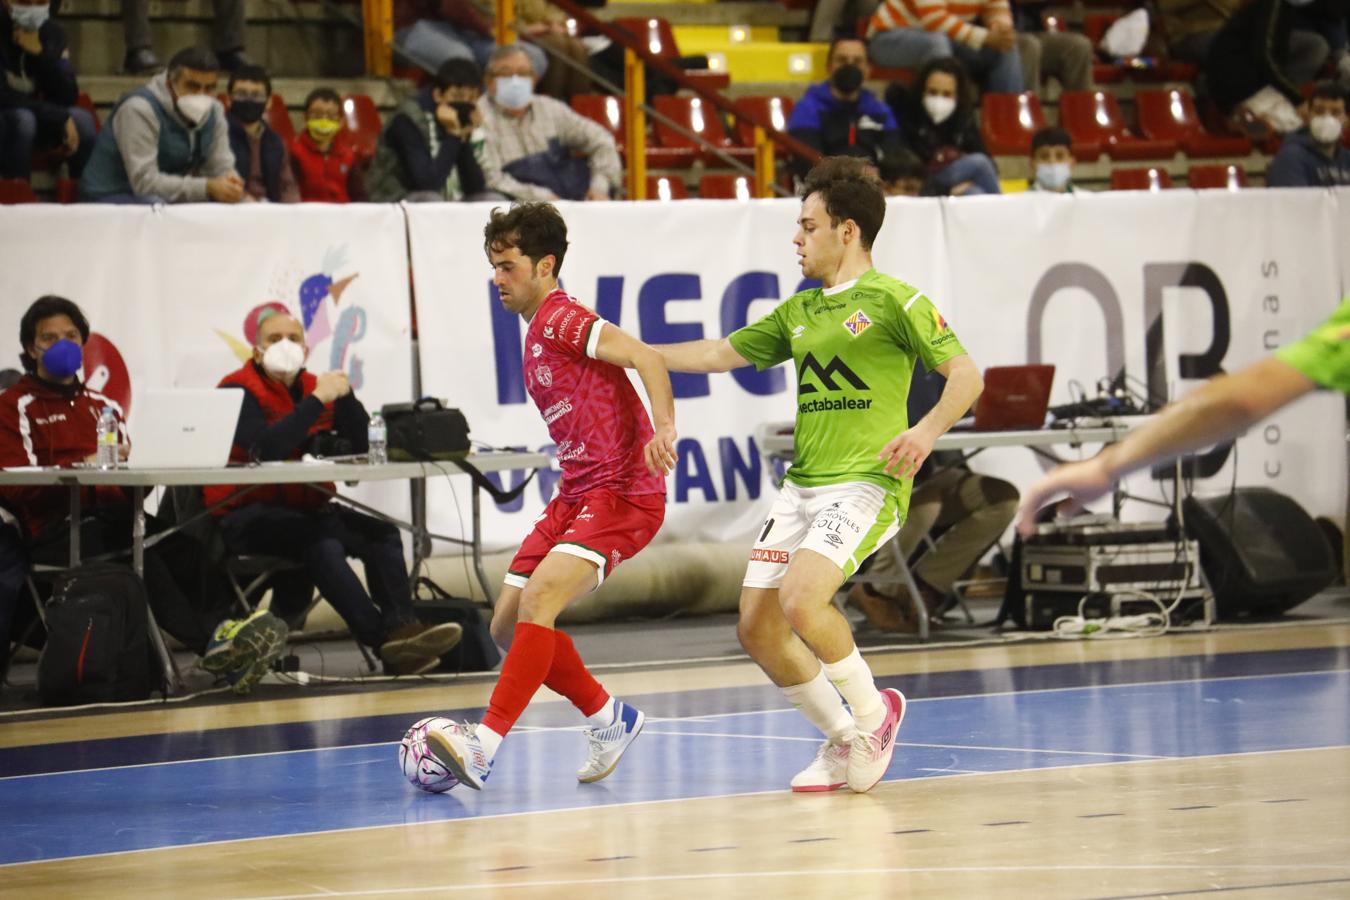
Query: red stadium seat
{"points": [[1102, 72], [1139, 68], [1217, 176], [67, 191], [603, 109], [663, 187], [85, 102], [660, 38], [1094, 117], [1150, 179], [774, 111], [14, 191], [279, 118], [1170, 115], [362, 121], [694, 115], [725, 186]]}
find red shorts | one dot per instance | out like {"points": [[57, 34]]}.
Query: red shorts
{"points": [[602, 526]]}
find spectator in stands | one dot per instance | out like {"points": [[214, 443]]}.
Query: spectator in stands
{"points": [[1064, 56], [902, 175], [937, 124], [429, 150], [49, 418], [1052, 161], [911, 33], [840, 117], [545, 25], [1259, 59], [166, 141], [227, 36], [1314, 156], [959, 512], [429, 32], [1190, 26], [285, 409], [38, 92], [537, 148], [260, 155], [323, 156]]}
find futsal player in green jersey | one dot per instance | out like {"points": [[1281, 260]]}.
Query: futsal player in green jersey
{"points": [[1221, 409], [853, 341]]}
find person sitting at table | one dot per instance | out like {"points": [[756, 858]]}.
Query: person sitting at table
{"points": [[285, 410], [49, 418]]}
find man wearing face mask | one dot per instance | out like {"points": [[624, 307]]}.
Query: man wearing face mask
{"points": [[285, 408], [167, 141], [538, 148], [840, 117], [259, 155], [429, 150], [1052, 161], [1314, 156], [38, 92]]}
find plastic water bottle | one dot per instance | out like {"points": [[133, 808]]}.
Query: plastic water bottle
{"points": [[377, 436], [107, 439]]}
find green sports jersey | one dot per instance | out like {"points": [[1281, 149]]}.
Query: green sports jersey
{"points": [[854, 347], [1324, 355]]}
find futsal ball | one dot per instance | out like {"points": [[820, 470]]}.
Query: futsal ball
{"points": [[418, 763]]}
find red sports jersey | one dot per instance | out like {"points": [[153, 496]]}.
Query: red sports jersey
{"points": [[590, 407]]}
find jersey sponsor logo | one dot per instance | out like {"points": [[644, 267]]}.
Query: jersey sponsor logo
{"points": [[548, 332], [834, 404], [938, 322], [824, 307], [826, 375], [557, 410], [615, 557], [544, 374], [54, 417], [857, 323], [567, 452], [760, 554], [536, 350]]}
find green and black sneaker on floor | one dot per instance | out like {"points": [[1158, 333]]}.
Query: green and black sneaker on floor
{"points": [[243, 650]]}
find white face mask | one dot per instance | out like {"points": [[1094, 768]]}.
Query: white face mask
{"points": [[284, 358], [1325, 129], [1053, 176], [514, 91], [194, 108], [940, 109], [30, 18]]}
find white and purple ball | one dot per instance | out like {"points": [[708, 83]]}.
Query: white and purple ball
{"points": [[419, 765]]}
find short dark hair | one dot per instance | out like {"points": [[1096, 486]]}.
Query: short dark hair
{"points": [[249, 73], [842, 39], [323, 93], [1327, 90], [901, 165], [536, 229], [198, 58], [45, 307], [1051, 136], [458, 72], [849, 191]]}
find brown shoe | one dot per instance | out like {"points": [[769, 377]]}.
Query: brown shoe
{"points": [[411, 665], [882, 613], [417, 641]]}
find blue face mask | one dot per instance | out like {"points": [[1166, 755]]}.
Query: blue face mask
{"points": [[62, 359], [514, 91]]}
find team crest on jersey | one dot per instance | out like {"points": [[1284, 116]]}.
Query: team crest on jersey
{"points": [[544, 374], [548, 332], [857, 323], [536, 350], [615, 557]]}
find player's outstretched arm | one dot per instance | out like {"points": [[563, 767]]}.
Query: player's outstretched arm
{"points": [[618, 347], [905, 453], [701, 356], [1222, 408]]}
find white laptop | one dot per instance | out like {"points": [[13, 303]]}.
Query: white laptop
{"points": [[184, 429]]}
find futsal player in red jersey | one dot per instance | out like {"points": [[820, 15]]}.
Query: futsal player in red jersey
{"points": [[610, 502]]}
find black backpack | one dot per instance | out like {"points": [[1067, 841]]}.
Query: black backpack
{"points": [[97, 637], [476, 651]]}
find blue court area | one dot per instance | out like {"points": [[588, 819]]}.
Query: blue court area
{"points": [[118, 795]]}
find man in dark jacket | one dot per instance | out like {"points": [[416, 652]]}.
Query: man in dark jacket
{"points": [[38, 92], [1267, 44], [1314, 155], [840, 117], [259, 154]]}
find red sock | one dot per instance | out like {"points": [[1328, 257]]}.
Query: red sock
{"points": [[570, 677], [527, 664]]}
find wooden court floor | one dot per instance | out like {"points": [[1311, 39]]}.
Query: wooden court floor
{"points": [[1181, 766]]}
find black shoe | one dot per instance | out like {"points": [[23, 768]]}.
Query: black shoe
{"points": [[231, 60], [141, 61]]}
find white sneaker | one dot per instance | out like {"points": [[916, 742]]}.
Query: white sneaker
{"points": [[608, 744], [459, 750], [870, 755], [827, 772]]}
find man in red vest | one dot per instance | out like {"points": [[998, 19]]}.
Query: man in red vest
{"points": [[285, 407]]}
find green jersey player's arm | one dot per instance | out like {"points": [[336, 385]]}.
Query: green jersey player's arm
{"points": [[619, 348], [702, 356]]}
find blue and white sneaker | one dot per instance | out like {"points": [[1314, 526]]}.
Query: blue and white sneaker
{"points": [[608, 744], [460, 751]]}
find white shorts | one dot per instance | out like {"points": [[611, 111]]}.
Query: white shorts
{"points": [[845, 523]]}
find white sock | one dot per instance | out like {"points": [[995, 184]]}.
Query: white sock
{"points": [[490, 740], [820, 703], [853, 679], [605, 715]]}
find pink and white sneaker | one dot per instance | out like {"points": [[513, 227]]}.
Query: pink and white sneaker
{"points": [[827, 772], [870, 754]]}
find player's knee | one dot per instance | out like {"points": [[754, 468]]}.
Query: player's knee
{"points": [[798, 604], [540, 603]]}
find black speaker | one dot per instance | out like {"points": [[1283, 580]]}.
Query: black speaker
{"points": [[1262, 553]]}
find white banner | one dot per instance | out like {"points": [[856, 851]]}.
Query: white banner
{"points": [[168, 290]]}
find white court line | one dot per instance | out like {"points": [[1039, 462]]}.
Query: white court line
{"points": [[816, 740], [538, 729], [798, 873], [634, 803]]}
